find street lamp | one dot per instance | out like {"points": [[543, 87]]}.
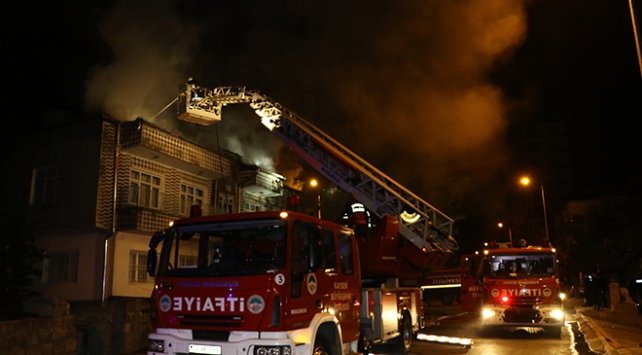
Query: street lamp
{"points": [[314, 183], [526, 181]]}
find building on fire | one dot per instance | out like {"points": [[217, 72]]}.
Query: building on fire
{"points": [[95, 191]]}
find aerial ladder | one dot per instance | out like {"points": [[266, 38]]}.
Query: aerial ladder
{"points": [[428, 230]]}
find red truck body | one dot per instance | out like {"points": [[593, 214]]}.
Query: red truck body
{"points": [[273, 283]]}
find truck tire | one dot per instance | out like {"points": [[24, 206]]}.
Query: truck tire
{"points": [[365, 337], [404, 342], [323, 345]]}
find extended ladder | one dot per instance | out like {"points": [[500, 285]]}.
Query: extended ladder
{"points": [[429, 229]]}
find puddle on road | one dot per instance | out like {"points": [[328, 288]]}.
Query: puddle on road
{"points": [[579, 342]]}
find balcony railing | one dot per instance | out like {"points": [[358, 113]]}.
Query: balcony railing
{"points": [[263, 183], [148, 141], [143, 219]]}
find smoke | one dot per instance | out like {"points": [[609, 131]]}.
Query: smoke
{"points": [[404, 84], [419, 96], [151, 50]]}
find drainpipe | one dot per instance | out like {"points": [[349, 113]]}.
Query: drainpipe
{"points": [[103, 292]]}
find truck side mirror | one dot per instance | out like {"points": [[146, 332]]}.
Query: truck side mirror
{"points": [[156, 239], [152, 259]]}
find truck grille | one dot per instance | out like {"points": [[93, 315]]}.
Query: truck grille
{"points": [[211, 336], [210, 320], [525, 301], [522, 315]]}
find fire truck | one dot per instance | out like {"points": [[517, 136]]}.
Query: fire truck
{"points": [[513, 287], [285, 282]]}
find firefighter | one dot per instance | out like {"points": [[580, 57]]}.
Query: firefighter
{"points": [[634, 286], [599, 289]]}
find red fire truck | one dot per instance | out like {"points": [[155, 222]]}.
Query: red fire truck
{"points": [[514, 287], [284, 282]]}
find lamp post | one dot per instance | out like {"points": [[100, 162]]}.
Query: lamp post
{"points": [[526, 181], [314, 183]]}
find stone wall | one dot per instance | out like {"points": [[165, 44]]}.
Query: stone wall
{"points": [[120, 326], [55, 335], [116, 327]]}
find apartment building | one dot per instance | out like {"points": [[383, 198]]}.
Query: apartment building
{"points": [[96, 189]]}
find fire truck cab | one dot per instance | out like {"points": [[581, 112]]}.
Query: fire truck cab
{"points": [[513, 287], [276, 282]]}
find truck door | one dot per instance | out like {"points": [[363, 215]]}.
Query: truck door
{"points": [[471, 293]]}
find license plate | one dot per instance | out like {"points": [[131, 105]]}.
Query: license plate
{"points": [[205, 349]]}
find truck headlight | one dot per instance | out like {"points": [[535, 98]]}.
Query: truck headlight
{"points": [[557, 314], [487, 313], [272, 350], [156, 345]]}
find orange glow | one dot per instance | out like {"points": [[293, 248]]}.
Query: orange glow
{"points": [[525, 181]]}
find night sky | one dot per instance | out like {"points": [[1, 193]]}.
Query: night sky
{"points": [[443, 96]]}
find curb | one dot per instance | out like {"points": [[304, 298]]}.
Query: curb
{"points": [[604, 340]]}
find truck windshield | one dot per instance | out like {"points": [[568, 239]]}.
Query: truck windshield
{"points": [[225, 249], [520, 265]]}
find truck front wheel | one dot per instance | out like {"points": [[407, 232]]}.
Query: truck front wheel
{"points": [[324, 344], [406, 336], [321, 346]]}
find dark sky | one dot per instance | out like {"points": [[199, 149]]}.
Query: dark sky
{"points": [[443, 96]]}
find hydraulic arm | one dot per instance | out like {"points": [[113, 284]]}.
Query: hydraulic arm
{"points": [[427, 228]]}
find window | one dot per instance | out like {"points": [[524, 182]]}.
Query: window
{"points": [[60, 267], [190, 196], [187, 261], [49, 185], [138, 267], [345, 254], [144, 189], [329, 255], [225, 203], [251, 207]]}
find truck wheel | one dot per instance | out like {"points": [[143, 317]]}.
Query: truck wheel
{"points": [[404, 342], [322, 346], [365, 339]]}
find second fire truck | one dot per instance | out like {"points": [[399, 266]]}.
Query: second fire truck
{"points": [[514, 287]]}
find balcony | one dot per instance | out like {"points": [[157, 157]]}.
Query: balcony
{"points": [[259, 182], [143, 219], [147, 141]]}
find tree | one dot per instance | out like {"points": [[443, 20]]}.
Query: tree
{"points": [[609, 238], [19, 258]]}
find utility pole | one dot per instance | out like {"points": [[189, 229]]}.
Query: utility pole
{"points": [[635, 34]]}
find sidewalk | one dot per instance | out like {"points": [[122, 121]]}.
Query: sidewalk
{"points": [[611, 331]]}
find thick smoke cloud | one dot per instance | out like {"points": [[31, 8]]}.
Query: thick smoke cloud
{"points": [[151, 50], [405, 84]]}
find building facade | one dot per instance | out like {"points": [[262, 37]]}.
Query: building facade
{"points": [[95, 191]]}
